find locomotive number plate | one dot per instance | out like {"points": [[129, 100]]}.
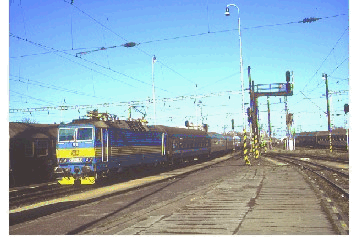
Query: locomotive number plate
{"points": [[75, 160], [75, 152]]}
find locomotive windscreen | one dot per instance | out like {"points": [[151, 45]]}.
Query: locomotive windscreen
{"points": [[84, 134], [66, 134], [81, 134]]}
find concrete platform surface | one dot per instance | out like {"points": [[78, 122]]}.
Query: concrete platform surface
{"points": [[271, 198]]}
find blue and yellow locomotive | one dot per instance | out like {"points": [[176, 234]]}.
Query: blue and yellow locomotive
{"points": [[90, 148]]}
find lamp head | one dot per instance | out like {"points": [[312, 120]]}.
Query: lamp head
{"points": [[227, 13]]}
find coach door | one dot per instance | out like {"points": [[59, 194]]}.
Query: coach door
{"points": [[105, 144]]}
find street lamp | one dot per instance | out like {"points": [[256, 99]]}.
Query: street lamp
{"points": [[153, 86], [227, 13]]}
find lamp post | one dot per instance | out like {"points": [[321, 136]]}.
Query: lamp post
{"points": [[227, 13], [153, 87]]}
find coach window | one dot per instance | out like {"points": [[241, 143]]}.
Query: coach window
{"points": [[29, 149], [41, 148]]}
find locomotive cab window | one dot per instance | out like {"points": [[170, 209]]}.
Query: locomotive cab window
{"points": [[84, 134], [66, 134]]}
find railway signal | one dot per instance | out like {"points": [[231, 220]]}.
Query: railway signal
{"points": [[287, 74], [273, 89], [248, 112], [289, 119]]}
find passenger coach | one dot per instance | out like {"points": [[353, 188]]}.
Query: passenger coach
{"points": [[32, 152]]}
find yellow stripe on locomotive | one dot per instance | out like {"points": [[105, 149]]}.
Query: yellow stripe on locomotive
{"points": [[75, 152], [71, 180]]}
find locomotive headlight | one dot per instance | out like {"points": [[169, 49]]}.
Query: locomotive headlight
{"points": [[89, 159]]}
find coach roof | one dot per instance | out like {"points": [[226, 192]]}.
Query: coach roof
{"points": [[26, 130]]}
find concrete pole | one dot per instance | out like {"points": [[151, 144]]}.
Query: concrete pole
{"points": [[268, 105], [328, 108]]}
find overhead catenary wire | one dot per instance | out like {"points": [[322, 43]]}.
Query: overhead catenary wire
{"points": [[211, 32], [305, 20], [125, 103], [322, 63], [98, 22], [31, 97], [86, 60], [321, 82], [49, 86], [339, 65], [101, 48], [123, 38]]}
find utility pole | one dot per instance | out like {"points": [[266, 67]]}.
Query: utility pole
{"points": [[129, 116], [250, 92], [328, 108], [268, 105], [287, 128], [254, 115], [346, 110]]}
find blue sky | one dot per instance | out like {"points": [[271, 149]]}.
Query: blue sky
{"points": [[45, 37]]}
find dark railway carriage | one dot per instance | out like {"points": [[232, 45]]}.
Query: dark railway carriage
{"points": [[221, 143], [32, 152], [306, 139], [338, 139], [320, 139], [185, 144]]}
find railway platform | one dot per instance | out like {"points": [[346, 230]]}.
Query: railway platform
{"points": [[268, 197], [285, 204]]}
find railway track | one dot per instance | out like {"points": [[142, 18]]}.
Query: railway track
{"points": [[335, 177], [341, 156], [331, 178], [42, 192], [21, 196]]}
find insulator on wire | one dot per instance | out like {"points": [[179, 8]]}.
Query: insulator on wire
{"points": [[309, 20]]}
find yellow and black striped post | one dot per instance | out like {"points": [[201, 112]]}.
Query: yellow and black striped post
{"points": [[256, 143], [263, 143], [246, 156], [253, 144]]}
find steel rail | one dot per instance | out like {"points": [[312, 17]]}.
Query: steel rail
{"points": [[307, 167]]}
